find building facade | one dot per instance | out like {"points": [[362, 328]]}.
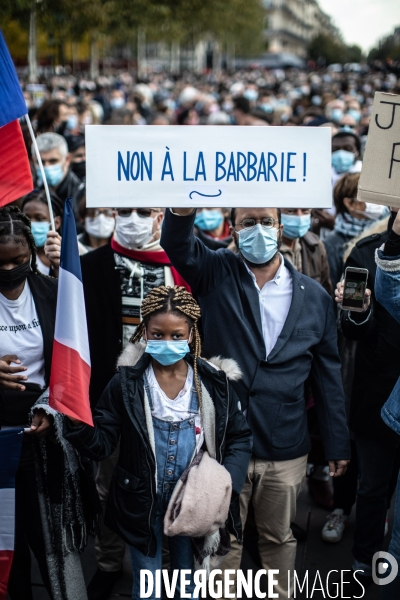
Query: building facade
{"points": [[291, 24]]}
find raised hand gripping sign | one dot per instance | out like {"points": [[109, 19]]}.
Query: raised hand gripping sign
{"points": [[380, 175], [199, 166]]}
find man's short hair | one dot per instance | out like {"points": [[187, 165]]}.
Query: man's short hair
{"points": [[342, 134], [233, 216], [50, 141], [241, 103]]}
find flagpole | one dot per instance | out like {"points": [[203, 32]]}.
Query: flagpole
{"points": [[46, 187]]}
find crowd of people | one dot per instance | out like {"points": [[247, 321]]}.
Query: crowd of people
{"points": [[217, 339]]}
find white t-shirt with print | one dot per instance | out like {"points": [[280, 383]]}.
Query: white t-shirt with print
{"points": [[21, 334]]}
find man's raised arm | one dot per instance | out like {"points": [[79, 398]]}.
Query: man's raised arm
{"points": [[201, 267]]}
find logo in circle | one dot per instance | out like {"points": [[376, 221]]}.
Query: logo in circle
{"points": [[384, 568]]}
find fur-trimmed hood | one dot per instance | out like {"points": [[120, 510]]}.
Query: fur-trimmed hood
{"points": [[133, 353]]}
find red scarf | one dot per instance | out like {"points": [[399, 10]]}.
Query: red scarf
{"points": [[151, 257]]}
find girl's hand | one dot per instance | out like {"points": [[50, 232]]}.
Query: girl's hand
{"points": [[8, 380], [52, 249], [339, 296], [41, 423]]}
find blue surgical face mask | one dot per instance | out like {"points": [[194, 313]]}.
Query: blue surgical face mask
{"points": [[54, 174], [355, 114], [167, 352], [266, 107], [117, 102], [207, 220], [258, 244], [72, 122], [342, 160], [295, 226], [336, 114], [251, 95], [39, 232]]}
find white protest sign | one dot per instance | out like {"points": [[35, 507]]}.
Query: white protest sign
{"points": [[380, 175], [194, 166]]}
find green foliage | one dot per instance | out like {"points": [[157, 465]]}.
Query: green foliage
{"points": [[388, 48], [333, 50], [227, 21]]}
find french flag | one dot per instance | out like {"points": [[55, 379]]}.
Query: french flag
{"points": [[15, 172], [10, 451], [70, 367]]}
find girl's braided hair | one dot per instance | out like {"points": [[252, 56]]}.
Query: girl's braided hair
{"points": [[165, 299], [14, 224]]}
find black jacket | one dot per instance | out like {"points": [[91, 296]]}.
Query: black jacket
{"points": [[132, 501], [273, 389], [335, 243], [44, 292], [15, 405], [377, 358], [102, 289], [211, 242]]}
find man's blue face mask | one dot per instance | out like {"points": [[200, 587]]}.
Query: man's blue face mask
{"points": [[258, 244], [208, 220], [342, 160], [295, 226]]}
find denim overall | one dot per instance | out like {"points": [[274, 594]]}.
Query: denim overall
{"points": [[175, 443]]}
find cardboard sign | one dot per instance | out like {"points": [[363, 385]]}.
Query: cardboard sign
{"points": [[380, 175], [200, 166]]}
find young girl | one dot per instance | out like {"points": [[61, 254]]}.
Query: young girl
{"points": [[35, 206], [158, 404]]}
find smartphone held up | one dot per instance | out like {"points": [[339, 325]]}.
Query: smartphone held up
{"points": [[354, 288]]}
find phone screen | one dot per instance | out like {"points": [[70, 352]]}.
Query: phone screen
{"points": [[354, 289]]}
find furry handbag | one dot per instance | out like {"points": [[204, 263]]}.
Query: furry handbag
{"points": [[199, 504]]}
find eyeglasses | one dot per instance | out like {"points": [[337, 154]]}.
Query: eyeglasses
{"points": [[266, 222], [101, 211], [142, 212]]}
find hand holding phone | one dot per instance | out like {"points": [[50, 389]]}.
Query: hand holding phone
{"points": [[352, 292]]}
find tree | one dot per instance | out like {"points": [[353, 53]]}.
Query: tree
{"points": [[387, 48], [327, 49]]}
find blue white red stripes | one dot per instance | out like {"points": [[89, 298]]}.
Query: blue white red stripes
{"points": [[10, 451], [70, 369], [15, 172]]}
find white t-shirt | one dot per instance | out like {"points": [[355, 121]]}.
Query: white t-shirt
{"points": [[21, 334], [177, 409]]}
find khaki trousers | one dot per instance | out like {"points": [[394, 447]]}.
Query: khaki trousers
{"points": [[272, 487], [109, 547]]}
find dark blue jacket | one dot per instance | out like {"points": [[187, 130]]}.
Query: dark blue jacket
{"points": [[273, 390]]}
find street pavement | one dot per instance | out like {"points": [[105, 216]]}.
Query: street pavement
{"points": [[312, 555]]}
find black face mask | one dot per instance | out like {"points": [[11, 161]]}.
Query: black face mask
{"points": [[61, 127], [12, 278], [392, 218], [79, 168]]}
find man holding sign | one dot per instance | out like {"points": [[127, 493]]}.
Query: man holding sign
{"points": [[279, 325]]}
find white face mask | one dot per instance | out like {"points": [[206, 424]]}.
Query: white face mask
{"points": [[100, 226], [133, 232]]}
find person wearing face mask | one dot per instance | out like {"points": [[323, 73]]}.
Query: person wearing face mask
{"points": [[346, 148], [303, 248], [99, 226], [77, 151], [27, 316], [34, 205], [353, 217], [212, 227], [180, 393], [116, 278], [279, 343], [376, 334], [117, 99], [53, 116], [56, 163]]}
